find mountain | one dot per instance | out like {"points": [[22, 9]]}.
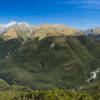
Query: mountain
{"points": [[11, 34], [23, 26], [93, 32], [48, 56], [47, 30], [24, 30]]}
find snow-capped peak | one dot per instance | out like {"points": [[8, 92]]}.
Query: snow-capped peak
{"points": [[24, 24], [15, 25], [10, 24]]}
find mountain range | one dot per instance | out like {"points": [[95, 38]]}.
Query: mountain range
{"points": [[25, 30], [49, 56], [28, 30]]}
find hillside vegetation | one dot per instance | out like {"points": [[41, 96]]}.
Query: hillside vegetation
{"points": [[53, 62], [56, 94], [35, 60]]}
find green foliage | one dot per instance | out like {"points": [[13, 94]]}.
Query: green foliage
{"points": [[3, 85], [53, 62], [38, 65], [56, 94]]}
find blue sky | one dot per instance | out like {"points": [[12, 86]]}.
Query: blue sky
{"points": [[81, 14]]}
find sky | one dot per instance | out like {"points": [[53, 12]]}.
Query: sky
{"points": [[81, 14]]}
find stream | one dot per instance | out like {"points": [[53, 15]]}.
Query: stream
{"points": [[94, 74]]}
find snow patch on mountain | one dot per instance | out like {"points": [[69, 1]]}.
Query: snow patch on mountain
{"points": [[10, 24], [24, 24], [13, 24]]}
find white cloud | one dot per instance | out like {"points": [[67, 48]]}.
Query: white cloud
{"points": [[90, 4]]}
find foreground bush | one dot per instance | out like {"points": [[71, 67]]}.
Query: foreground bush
{"points": [[56, 94]]}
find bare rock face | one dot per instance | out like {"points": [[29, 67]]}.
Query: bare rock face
{"points": [[11, 34], [93, 31], [47, 30], [25, 30]]}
